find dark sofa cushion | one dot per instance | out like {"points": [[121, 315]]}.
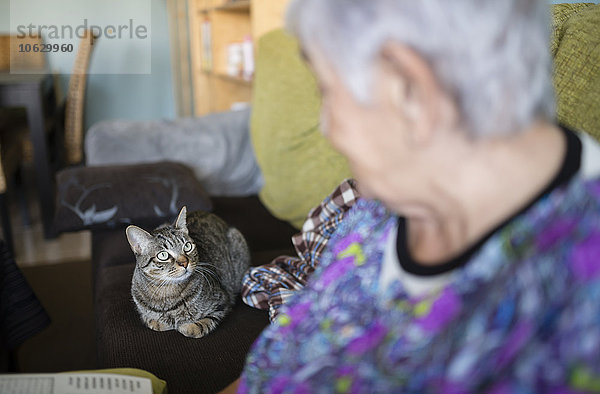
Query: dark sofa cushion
{"points": [[261, 229], [113, 196], [204, 365], [188, 365]]}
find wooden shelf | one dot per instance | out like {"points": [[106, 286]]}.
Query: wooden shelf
{"points": [[233, 78], [216, 24], [230, 6], [227, 77], [237, 5]]}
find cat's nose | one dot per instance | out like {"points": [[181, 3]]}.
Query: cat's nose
{"points": [[183, 261]]}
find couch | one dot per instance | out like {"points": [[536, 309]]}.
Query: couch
{"points": [[299, 169]]}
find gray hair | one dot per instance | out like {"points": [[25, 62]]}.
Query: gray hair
{"points": [[492, 55]]}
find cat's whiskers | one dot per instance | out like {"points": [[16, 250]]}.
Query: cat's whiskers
{"points": [[178, 274], [207, 268], [207, 279], [157, 290], [208, 275], [162, 283], [172, 272]]}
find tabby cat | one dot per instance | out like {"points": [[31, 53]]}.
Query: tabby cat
{"points": [[187, 274]]}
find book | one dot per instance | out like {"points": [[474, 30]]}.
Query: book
{"points": [[73, 383]]}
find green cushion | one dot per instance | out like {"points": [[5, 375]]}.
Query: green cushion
{"points": [[299, 166], [576, 50]]}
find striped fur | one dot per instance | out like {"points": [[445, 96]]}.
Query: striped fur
{"points": [[187, 274]]}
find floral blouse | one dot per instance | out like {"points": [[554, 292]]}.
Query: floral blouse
{"points": [[523, 315]]}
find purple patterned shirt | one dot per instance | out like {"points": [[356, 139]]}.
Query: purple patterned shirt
{"points": [[523, 315]]}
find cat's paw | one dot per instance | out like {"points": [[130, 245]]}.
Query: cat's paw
{"points": [[198, 329], [158, 325], [191, 330]]}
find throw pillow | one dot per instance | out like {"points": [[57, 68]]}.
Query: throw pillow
{"points": [[299, 166], [111, 196], [216, 147]]}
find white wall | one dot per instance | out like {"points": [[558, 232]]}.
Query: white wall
{"points": [[112, 92]]}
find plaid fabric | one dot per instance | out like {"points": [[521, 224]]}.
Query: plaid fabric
{"points": [[269, 286]]}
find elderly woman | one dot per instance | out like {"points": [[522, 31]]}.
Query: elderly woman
{"points": [[473, 262]]}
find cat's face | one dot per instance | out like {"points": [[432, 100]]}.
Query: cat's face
{"points": [[168, 253]]}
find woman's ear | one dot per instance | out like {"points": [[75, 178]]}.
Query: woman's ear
{"points": [[412, 89]]}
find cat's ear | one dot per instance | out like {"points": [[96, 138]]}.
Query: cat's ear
{"points": [[181, 222], [139, 239]]}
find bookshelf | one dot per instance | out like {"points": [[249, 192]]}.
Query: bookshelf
{"points": [[214, 51]]}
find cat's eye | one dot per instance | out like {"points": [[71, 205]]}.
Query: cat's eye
{"points": [[162, 256], [188, 247]]}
